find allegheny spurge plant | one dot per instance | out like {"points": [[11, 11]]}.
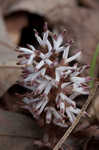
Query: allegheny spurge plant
{"points": [[53, 80]]}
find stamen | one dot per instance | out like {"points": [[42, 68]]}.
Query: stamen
{"points": [[70, 115], [66, 52], [62, 107], [73, 57], [64, 97]]}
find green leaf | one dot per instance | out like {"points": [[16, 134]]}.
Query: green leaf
{"points": [[93, 65]]}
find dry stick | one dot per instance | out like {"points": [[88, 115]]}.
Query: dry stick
{"points": [[68, 132], [14, 66]]}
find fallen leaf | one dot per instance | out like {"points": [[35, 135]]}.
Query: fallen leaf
{"points": [[17, 131], [14, 24], [92, 144], [71, 17], [38, 6], [8, 75], [88, 3], [94, 107]]}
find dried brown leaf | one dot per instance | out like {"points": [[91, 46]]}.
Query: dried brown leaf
{"points": [[8, 75], [94, 107], [37, 6], [17, 131], [80, 22], [14, 24], [89, 3]]}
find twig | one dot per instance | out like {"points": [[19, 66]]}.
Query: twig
{"points": [[10, 66], [68, 132]]}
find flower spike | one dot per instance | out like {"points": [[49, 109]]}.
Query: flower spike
{"points": [[54, 82]]}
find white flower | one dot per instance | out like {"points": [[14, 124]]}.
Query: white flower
{"points": [[73, 57]]}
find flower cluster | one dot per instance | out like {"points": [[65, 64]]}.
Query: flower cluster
{"points": [[54, 81]]}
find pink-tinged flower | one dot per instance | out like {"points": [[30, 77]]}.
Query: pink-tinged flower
{"points": [[54, 82]]}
